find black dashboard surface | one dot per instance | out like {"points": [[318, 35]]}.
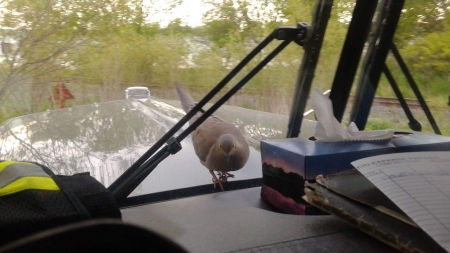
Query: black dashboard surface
{"points": [[239, 221]]}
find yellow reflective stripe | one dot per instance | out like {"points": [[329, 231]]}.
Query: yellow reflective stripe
{"points": [[4, 164], [29, 183]]}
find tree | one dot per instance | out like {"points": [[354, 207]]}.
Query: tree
{"points": [[42, 35], [420, 18], [430, 55], [241, 20]]}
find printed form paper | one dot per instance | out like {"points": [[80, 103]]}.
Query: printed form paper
{"points": [[419, 184]]}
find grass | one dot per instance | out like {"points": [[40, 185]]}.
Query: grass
{"points": [[379, 124], [394, 118], [248, 105]]}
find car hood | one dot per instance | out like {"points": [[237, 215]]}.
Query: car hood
{"points": [[106, 138]]}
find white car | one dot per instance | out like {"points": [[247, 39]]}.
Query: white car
{"points": [[137, 93]]}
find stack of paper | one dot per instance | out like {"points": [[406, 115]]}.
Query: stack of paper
{"points": [[401, 199]]}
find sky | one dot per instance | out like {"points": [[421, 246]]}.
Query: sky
{"points": [[190, 12]]}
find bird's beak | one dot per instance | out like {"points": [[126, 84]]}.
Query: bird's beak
{"points": [[228, 158]]}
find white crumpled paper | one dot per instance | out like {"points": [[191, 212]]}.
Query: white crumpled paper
{"points": [[328, 129]]}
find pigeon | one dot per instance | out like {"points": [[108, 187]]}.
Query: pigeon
{"points": [[219, 145]]}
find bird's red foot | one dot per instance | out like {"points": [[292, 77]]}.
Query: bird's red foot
{"points": [[216, 180], [229, 175], [223, 176]]}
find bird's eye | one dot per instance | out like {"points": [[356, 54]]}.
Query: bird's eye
{"points": [[234, 146]]}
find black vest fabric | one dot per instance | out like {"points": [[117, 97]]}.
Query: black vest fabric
{"points": [[81, 197]]}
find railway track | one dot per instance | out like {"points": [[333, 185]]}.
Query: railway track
{"points": [[393, 102], [378, 101]]}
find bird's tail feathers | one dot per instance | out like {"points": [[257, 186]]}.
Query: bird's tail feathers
{"points": [[186, 99]]}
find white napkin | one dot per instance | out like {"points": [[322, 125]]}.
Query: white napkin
{"points": [[328, 129]]}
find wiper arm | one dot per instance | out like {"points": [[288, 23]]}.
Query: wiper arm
{"points": [[413, 123], [134, 175], [415, 88]]}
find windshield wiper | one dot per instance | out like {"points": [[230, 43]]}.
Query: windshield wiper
{"points": [[134, 175], [416, 91]]}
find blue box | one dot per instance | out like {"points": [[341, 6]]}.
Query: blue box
{"points": [[287, 163]]}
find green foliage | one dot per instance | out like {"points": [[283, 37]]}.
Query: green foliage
{"points": [[378, 124], [248, 106], [240, 20], [102, 47], [420, 18], [430, 55], [50, 35], [298, 10]]}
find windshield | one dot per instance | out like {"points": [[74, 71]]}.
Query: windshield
{"points": [[106, 138], [83, 56]]}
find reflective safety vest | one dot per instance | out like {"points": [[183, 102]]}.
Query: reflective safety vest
{"points": [[19, 176], [33, 199]]}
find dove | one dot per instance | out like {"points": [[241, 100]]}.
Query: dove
{"points": [[219, 145]]}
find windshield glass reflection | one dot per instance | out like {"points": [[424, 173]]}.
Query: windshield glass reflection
{"points": [[106, 138]]}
